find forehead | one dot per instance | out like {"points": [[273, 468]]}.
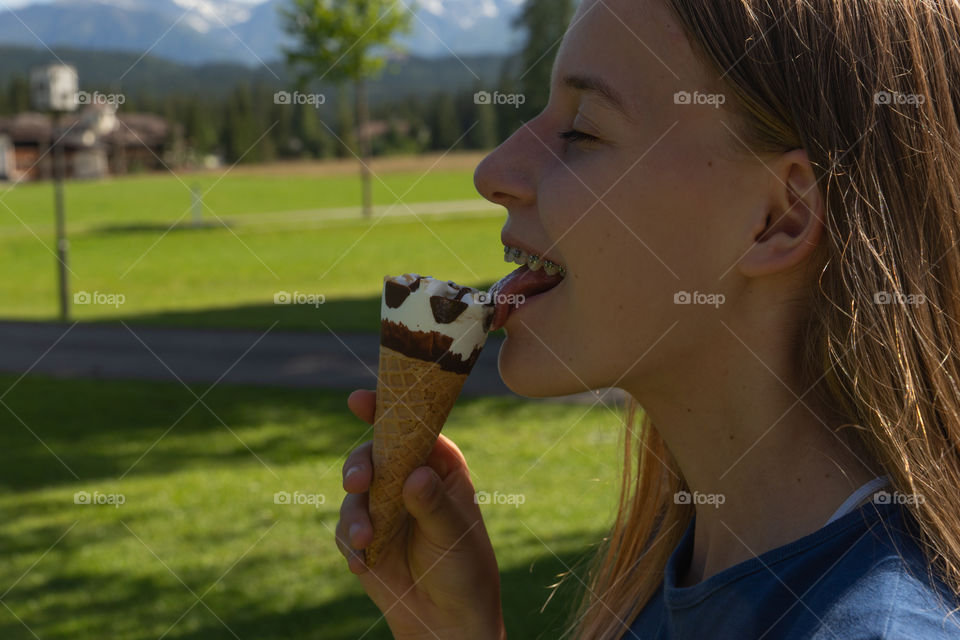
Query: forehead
{"points": [[637, 46]]}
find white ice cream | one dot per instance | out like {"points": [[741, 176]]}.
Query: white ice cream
{"points": [[415, 312]]}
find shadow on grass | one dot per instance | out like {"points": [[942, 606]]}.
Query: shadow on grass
{"points": [[80, 605], [283, 589], [153, 228], [102, 430]]}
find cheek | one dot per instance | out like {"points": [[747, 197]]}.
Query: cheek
{"points": [[656, 233], [605, 314]]}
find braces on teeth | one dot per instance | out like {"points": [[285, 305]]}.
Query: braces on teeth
{"points": [[533, 262]]}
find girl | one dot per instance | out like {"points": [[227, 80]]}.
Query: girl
{"points": [[757, 206]]}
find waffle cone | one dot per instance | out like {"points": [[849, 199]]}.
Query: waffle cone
{"points": [[414, 398]]}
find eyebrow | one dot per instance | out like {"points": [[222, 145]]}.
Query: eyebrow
{"points": [[599, 87]]}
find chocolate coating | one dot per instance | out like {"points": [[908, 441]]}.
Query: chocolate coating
{"points": [[430, 346]]}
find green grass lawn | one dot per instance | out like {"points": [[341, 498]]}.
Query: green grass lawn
{"points": [[229, 276], [163, 197], [199, 515]]}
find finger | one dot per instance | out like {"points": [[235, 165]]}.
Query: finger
{"points": [[354, 558], [445, 457], [354, 527], [363, 403], [426, 498], [358, 469]]}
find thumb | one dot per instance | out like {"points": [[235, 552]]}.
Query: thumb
{"points": [[427, 500]]}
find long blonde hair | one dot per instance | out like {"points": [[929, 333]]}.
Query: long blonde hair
{"points": [[871, 90]]}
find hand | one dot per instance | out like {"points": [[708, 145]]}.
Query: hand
{"points": [[438, 578]]}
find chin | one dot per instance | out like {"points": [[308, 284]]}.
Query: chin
{"points": [[535, 373]]}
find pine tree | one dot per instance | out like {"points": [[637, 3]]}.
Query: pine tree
{"points": [[545, 22], [446, 124], [484, 134]]}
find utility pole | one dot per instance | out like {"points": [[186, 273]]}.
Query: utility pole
{"points": [[54, 89]]}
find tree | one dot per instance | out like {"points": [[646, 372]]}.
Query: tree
{"points": [[316, 140], [346, 41], [483, 135], [345, 129], [240, 130], [545, 22], [446, 127], [18, 95]]}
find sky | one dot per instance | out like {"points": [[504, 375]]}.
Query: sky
{"points": [[16, 4]]}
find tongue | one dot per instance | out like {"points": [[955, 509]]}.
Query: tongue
{"points": [[521, 282]]}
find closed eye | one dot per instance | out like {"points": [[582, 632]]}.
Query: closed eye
{"points": [[577, 136]]}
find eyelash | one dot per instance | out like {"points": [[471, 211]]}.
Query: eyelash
{"points": [[577, 136]]}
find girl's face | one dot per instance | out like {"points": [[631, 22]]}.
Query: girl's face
{"points": [[658, 204]]}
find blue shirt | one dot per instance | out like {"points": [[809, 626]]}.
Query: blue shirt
{"points": [[845, 581]]}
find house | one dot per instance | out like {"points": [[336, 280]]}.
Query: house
{"points": [[96, 142]]}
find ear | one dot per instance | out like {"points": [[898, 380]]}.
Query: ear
{"points": [[791, 226]]}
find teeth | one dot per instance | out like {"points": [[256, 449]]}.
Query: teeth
{"points": [[533, 262]]}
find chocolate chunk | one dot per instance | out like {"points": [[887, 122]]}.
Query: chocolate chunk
{"points": [[446, 310], [461, 293], [415, 284], [395, 293]]}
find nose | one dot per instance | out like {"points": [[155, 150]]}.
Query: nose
{"points": [[507, 176]]}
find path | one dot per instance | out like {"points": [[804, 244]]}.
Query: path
{"points": [[266, 358]]}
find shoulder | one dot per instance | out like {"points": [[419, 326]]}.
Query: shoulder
{"points": [[894, 599]]}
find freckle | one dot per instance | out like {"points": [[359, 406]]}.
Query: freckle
{"points": [[620, 306], [709, 163]]}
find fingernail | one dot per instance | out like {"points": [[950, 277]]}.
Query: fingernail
{"points": [[351, 471], [354, 531]]}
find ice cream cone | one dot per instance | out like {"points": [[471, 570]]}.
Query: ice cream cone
{"points": [[414, 398], [431, 334]]}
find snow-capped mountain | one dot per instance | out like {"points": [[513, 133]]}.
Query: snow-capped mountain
{"points": [[198, 31]]}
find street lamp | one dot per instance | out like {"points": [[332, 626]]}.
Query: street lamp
{"points": [[54, 89]]}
